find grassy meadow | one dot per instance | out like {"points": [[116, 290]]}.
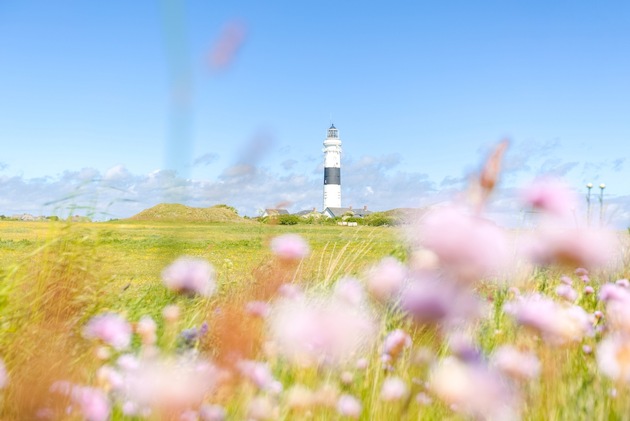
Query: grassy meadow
{"points": [[56, 276]]}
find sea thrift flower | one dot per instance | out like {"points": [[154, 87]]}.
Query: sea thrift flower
{"points": [[613, 358], [190, 276], [349, 290], [209, 412], [550, 196], [394, 389], [436, 302], [109, 328], [349, 406], [566, 280], [473, 389], [567, 292], [320, 329], [146, 328], [290, 247], [259, 374], [588, 290], [395, 342], [557, 324], [515, 363], [92, 402], [467, 246], [386, 279], [581, 272], [170, 385], [571, 247], [623, 282]]}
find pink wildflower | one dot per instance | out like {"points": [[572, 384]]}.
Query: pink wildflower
{"points": [[261, 408], [349, 290], [209, 412], [349, 406], [393, 389], [146, 328], [109, 328], [467, 246], [550, 196], [613, 358], [386, 279], [571, 247], [515, 363], [395, 342], [567, 292], [320, 329], [92, 402], [623, 282], [258, 373], [190, 276], [556, 323], [475, 390], [589, 290], [290, 247]]}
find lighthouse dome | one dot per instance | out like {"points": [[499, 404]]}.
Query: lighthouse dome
{"points": [[333, 133]]}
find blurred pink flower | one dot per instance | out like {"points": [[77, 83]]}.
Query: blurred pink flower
{"points": [[589, 290], [395, 342], [170, 384], [567, 292], [430, 301], [581, 271], [209, 412], [566, 280], [518, 364], [259, 374], [146, 328], [557, 324], [475, 390], [623, 282], [190, 275], [92, 402], [349, 290], [468, 247], [109, 328], [393, 389], [349, 406], [386, 279], [290, 247], [550, 196], [316, 329], [613, 358], [556, 245]]}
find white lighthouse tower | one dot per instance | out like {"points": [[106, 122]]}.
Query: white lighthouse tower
{"points": [[332, 169]]}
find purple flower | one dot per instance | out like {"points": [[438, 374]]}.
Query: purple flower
{"points": [[190, 276], [395, 342], [109, 328]]}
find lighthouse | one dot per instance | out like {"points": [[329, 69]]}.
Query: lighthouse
{"points": [[332, 169]]}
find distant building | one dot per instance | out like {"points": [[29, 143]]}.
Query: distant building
{"points": [[331, 212], [274, 212]]}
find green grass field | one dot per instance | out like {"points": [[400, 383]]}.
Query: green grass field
{"points": [[56, 276]]}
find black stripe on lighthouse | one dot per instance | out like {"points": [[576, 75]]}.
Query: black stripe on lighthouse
{"points": [[332, 176]]}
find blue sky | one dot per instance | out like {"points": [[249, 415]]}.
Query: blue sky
{"points": [[101, 99]]}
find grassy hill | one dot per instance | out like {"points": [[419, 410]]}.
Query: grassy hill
{"points": [[174, 212]]}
